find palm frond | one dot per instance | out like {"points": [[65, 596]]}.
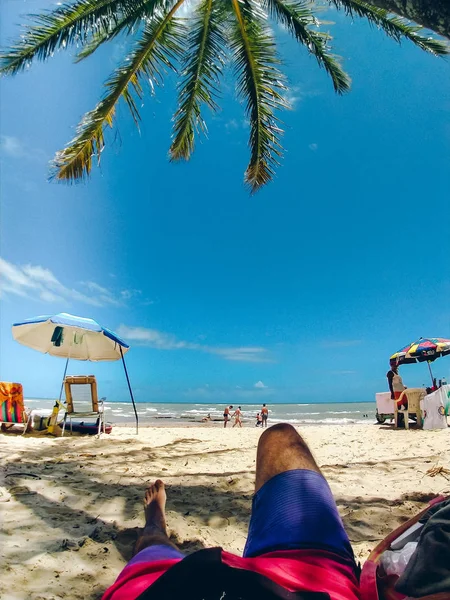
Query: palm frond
{"points": [[394, 26], [67, 24], [144, 9], [157, 50], [202, 68], [96, 40], [298, 18], [259, 83]]}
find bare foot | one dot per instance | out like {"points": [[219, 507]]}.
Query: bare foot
{"points": [[155, 508]]}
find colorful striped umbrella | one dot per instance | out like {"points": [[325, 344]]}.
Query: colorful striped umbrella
{"points": [[422, 350]]}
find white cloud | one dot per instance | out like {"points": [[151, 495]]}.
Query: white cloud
{"points": [[128, 294], [293, 96], [165, 341], [260, 385], [14, 148], [37, 282], [313, 147], [232, 124], [103, 295]]}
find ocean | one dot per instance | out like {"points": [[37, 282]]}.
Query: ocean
{"points": [[170, 414]]}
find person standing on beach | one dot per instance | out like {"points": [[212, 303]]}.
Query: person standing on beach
{"points": [[396, 384], [237, 417], [264, 415], [226, 414], [296, 540]]}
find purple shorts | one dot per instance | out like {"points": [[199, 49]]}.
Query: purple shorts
{"points": [[294, 510]]}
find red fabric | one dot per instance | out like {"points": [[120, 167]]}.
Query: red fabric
{"points": [[404, 402], [295, 570]]}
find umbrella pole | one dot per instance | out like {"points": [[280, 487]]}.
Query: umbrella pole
{"points": [[431, 373], [131, 391], [62, 383], [58, 405]]}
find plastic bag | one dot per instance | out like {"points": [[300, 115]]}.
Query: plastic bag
{"points": [[394, 561]]}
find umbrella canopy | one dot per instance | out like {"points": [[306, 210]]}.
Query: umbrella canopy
{"points": [[69, 336], [424, 349], [72, 337]]}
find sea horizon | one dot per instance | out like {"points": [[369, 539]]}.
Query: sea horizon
{"points": [[240, 403], [179, 413]]}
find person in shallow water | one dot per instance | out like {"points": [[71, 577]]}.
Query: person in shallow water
{"points": [[226, 414], [237, 417], [296, 540], [264, 415]]}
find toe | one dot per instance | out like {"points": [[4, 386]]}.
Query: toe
{"points": [[149, 493]]}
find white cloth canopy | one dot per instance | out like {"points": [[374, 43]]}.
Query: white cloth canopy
{"points": [[77, 338]]}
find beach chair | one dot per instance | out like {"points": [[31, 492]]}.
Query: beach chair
{"points": [[83, 389], [12, 409], [413, 396]]}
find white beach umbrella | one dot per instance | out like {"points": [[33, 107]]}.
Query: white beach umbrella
{"points": [[72, 337]]}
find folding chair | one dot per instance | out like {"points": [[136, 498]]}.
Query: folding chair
{"points": [[12, 409], [414, 396], [83, 388]]}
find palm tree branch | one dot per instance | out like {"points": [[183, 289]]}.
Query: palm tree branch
{"points": [[146, 9], [64, 26], [157, 48], [298, 18], [259, 82], [202, 68], [98, 39], [394, 26]]}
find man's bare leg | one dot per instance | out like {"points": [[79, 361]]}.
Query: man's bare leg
{"points": [[281, 449], [155, 530]]}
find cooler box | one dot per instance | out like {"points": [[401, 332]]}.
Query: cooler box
{"points": [[385, 404]]}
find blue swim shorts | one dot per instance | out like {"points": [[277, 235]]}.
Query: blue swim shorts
{"points": [[294, 510]]}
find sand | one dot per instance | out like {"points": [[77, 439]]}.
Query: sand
{"points": [[71, 507]]}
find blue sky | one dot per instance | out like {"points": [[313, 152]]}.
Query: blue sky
{"points": [[299, 293]]}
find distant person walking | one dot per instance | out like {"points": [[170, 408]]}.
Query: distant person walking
{"points": [[226, 414], [258, 420], [237, 417], [264, 415], [396, 384]]}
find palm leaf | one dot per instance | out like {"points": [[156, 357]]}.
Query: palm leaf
{"points": [[298, 18], [144, 10], [259, 84], [395, 27], [156, 50], [68, 24], [202, 67]]}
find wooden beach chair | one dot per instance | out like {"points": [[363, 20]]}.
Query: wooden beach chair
{"points": [[83, 388], [12, 409], [413, 396]]}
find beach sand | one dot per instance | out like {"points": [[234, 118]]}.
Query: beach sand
{"points": [[71, 507]]}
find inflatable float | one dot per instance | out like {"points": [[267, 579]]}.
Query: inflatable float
{"points": [[88, 428]]}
